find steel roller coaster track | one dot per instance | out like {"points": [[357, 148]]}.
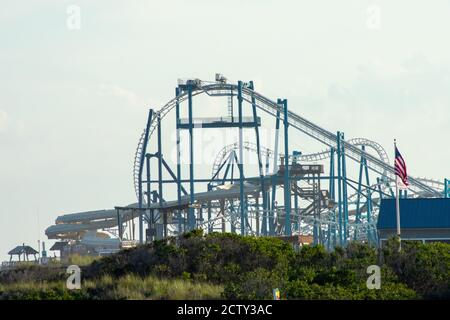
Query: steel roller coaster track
{"points": [[380, 164]]}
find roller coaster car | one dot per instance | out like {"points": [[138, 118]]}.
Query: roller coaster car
{"points": [[193, 83]]}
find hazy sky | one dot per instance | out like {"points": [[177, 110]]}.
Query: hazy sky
{"points": [[73, 102]]}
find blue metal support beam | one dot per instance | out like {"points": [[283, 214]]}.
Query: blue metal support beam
{"points": [[160, 177], [332, 191], [344, 191], [339, 173], [141, 169], [296, 154], [177, 124], [230, 164], [316, 223], [147, 160], [266, 195], [152, 212], [119, 224], [260, 165], [191, 213], [210, 226], [233, 159], [216, 175], [275, 168], [174, 177], [287, 185], [159, 155], [358, 195], [241, 159], [370, 236]]}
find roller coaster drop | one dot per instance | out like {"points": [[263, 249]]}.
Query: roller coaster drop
{"points": [[345, 210]]}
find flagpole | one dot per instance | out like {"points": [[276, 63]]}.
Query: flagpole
{"points": [[397, 202]]}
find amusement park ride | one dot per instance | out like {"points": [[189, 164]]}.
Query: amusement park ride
{"points": [[292, 194]]}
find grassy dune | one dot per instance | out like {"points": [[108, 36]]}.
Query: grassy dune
{"points": [[130, 287], [228, 266]]}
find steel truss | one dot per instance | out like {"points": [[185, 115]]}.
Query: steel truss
{"points": [[344, 210]]}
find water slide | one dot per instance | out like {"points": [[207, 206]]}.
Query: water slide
{"points": [[71, 226]]}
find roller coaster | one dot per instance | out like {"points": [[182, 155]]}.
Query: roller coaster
{"points": [[290, 194]]}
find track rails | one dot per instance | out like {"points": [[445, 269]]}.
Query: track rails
{"points": [[307, 127], [312, 157]]}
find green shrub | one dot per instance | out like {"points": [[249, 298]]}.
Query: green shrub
{"points": [[29, 273], [423, 267], [237, 267], [300, 289], [257, 284]]}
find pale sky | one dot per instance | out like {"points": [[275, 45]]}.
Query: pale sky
{"points": [[73, 102]]}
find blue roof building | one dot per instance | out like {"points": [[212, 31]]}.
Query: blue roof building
{"points": [[423, 219]]}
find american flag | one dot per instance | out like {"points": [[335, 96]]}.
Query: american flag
{"points": [[400, 168]]}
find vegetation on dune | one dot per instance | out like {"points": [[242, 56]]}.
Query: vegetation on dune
{"points": [[235, 267], [129, 287], [31, 273], [81, 261], [423, 267]]}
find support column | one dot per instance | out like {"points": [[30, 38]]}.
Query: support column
{"points": [[332, 195], [160, 177], [258, 232], [358, 196], [287, 186], [319, 192], [177, 121], [152, 213], [149, 200], [231, 210], [119, 224], [141, 169], [344, 190], [200, 214], [274, 176], [260, 165], [240, 163], [339, 159], [316, 199], [264, 228], [210, 224], [191, 213], [222, 211], [369, 203], [296, 154]]}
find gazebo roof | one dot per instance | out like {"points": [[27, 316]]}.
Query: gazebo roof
{"points": [[22, 249]]}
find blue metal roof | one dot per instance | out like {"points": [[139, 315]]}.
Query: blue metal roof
{"points": [[415, 213]]}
